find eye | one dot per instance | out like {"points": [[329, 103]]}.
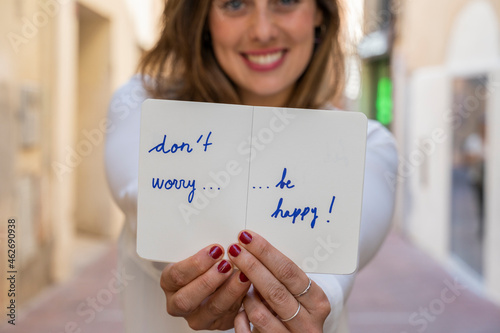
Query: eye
{"points": [[233, 5], [287, 2], [285, 5]]}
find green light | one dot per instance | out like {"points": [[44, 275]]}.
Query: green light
{"points": [[384, 101]]}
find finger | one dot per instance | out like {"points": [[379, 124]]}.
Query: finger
{"points": [[287, 272], [260, 316], [265, 302], [189, 297], [241, 323], [274, 292], [176, 276], [284, 269], [226, 300]]}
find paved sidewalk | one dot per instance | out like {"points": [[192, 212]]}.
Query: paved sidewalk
{"points": [[405, 291], [402, 291], [71, 307]]}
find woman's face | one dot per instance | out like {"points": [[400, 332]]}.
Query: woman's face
{"points": [[263, 45]]}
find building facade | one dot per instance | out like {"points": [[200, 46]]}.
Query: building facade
{"points": [[60, 61], [445, 70]]}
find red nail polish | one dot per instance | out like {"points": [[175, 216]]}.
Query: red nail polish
{"points": [[224, 267], [245, 237], [243, 277], [234, 250], [215, 252]]}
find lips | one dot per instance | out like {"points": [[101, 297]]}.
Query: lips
{"points": [[264, 60]]}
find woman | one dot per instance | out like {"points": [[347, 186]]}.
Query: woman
{"points": [[254, 52]]}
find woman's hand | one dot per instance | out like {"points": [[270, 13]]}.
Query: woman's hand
{"points": [[204, 290], [279, 287]]}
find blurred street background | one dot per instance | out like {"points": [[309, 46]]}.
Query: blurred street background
{"points": [[429, 70]]}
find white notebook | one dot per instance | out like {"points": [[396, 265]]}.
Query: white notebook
{"points": [[208, 171]]}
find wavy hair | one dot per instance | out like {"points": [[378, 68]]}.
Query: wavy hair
{"points": [[182, 64]]}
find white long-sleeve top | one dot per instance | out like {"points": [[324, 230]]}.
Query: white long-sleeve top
{"points": [[143, 300]]}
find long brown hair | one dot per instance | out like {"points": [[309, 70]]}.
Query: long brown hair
{"points": [[182, 64]]}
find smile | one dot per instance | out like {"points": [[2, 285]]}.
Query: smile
{"points": [[264, 60]]}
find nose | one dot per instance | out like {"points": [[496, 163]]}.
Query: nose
{"points": [[263, 27]]}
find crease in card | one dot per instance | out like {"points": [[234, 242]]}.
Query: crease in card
{"points": [[208, 171], [249, 167]]}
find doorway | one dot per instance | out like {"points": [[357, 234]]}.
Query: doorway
{"points": [[468, 176], [93, 201]]}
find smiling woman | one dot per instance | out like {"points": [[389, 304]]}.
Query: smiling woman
{"points": [[264, 50], [276, 52], [282, 53]]}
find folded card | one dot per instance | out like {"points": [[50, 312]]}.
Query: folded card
{"points": [[208, 171]]}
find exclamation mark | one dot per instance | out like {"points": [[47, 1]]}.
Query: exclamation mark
{"points": [[331, 207]]}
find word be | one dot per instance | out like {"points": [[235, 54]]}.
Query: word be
{"points": [[284, 182]]}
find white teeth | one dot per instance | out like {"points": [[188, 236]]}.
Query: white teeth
{"points": [[265, 59]]}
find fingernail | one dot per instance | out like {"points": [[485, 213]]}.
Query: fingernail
{"points": [[215, 252], [224, 267], [234, 250], [245, 237], [243, 277]]}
